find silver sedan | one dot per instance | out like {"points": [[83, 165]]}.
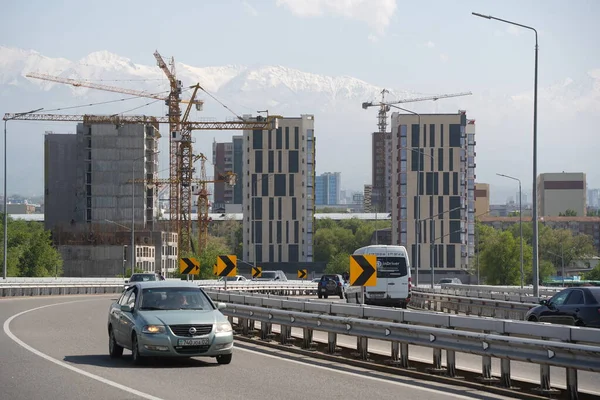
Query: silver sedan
{"points": [[172, 319]]}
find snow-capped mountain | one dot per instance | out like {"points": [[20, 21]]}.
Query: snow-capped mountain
{"points": [[342, 126]]}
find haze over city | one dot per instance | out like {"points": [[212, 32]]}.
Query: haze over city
{"points": [[332, 57]]}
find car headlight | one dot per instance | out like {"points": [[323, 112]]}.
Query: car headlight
{"points": [[223, 327], [153, 329]]}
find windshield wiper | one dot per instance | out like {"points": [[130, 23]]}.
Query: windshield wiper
{"points": [[152, 308]]}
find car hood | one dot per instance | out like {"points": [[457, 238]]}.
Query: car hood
{"points": [[182, 317]]}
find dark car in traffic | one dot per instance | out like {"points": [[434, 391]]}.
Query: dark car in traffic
{"points": [[332, 284], [579, 306]]}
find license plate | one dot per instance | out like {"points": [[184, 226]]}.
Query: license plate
{"points": [[193, 342], [376, 295], [323, 290]]}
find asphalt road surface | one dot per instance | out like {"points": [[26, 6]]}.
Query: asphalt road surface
{"points": [[57, 348]]}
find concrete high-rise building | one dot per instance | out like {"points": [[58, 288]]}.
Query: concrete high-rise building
{"points": [[223, 158], [447, 187], [279, 192], [327, 188], [559, 192], [381, 171], [482, 199], [91, 200], [88, 175]]}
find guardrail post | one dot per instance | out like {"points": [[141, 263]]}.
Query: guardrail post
{"points": [[307, 338], [331, 342], [486, 367], [572, 384], [545, 387], [505, 373]]}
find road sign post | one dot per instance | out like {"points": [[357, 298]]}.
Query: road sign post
{"points": [[302, 273], [363, 272]]}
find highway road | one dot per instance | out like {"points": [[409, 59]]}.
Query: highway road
{"points": [[57, 348]]}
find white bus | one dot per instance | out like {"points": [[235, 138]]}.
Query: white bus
{"points": [[393, 278]]}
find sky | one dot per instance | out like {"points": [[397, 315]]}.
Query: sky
{"points": [[429, 46]]}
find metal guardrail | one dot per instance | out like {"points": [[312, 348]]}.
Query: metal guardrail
{"points": [[547, 354], [508, 293], [49, 287], [470, 305]]}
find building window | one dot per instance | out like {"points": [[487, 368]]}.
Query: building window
{"points": [[257, 209], [291, 185], [293, 161], [446, 184], [265, 184], [280, 189], [271, 209], [414, 142], [454, 139], [271, 161], [287, 138], [294, 206], [296, 138], [258, 161], [440, 158], [455, 184], [403, 130], [257, 139], [278, 139], [432, 135], [403, 166]]}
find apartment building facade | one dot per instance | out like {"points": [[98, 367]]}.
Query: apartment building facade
{"points": [[279, 192], [559, 192], [436, 153]]}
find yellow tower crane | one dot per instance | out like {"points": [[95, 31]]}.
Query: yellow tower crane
{"points": [[181, 157]]}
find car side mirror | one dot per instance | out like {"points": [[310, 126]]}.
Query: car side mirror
{"points": [[221, 306], [125, 308], [126, 280], [544, 302]]}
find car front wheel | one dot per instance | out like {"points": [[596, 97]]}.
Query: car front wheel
{"points": [[138, 359], [114, 350], [224, 359]]}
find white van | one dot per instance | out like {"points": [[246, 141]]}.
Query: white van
{"points": [[393, 278]]}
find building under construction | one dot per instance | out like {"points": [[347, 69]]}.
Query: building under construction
{"points": [[92, 204]]}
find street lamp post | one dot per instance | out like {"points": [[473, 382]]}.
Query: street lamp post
{"points": [[432, 235], [520, 221], [418, 210], [4, 272], [534, 242]]}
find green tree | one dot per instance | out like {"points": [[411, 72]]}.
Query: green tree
{"points": [[568, 213], [30, 251], [593, 275], [556, 244], [338, 264], [501, 260], [215, 246], [593, 213]]}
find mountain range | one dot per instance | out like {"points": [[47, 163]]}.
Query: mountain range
{"points": [[569, 113]]}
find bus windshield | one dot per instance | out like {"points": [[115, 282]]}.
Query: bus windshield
{"points": [[391, 267]]}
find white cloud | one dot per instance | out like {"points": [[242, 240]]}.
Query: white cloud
{"points": [[444, 57], [373, 38], [430, 44], [249, 9], [377, 14]]}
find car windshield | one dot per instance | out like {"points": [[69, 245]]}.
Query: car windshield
{"points": [[174, 298], [445, 280], [268, 275], [143, 278]]}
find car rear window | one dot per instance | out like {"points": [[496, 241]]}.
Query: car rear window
{"points": [[334, 277], [596, 293]]}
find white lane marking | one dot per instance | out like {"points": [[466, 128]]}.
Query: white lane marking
{"points": [[357, 375], [63, 364]]}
